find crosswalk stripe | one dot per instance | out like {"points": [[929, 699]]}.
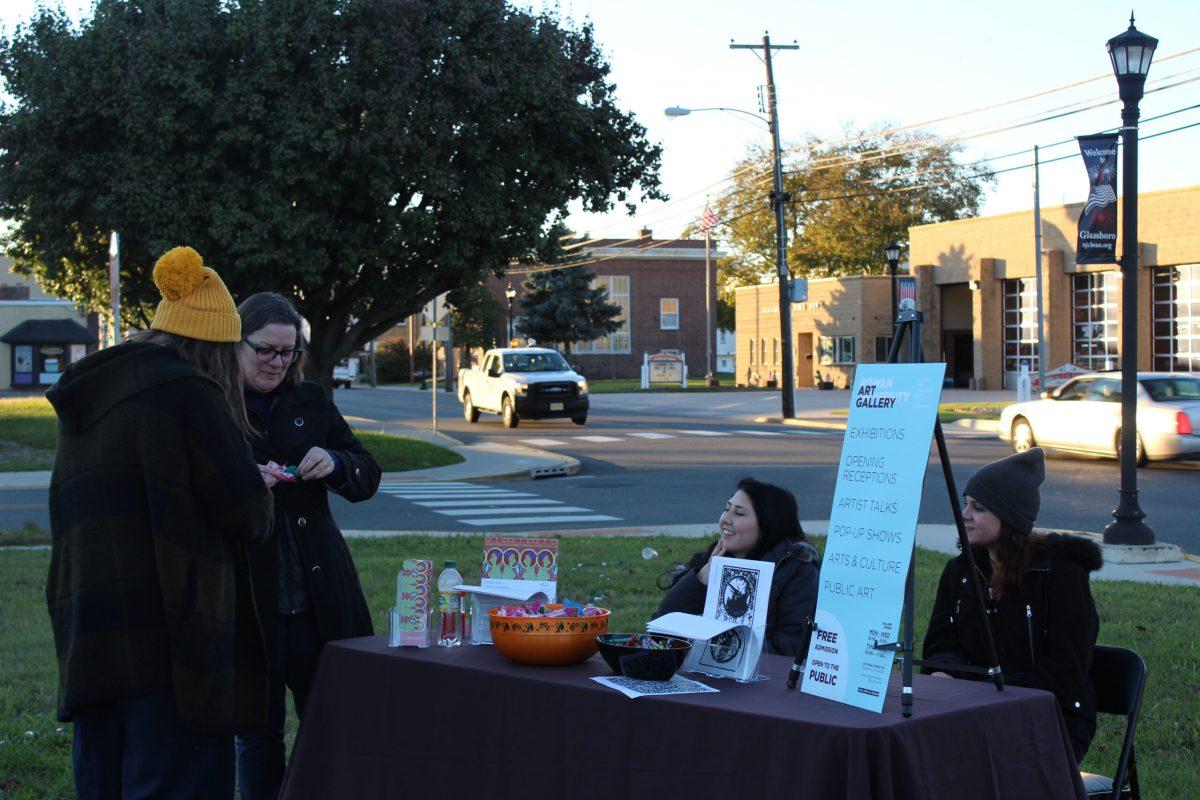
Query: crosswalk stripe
{"points": [[464, 495], [704, 433], [597, 438], [544, 442], [653, 435], [763, 433], [457, 503], [529, 520], [475, 512]]}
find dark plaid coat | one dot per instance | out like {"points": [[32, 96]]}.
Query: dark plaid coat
{"points": [[153, 498]]}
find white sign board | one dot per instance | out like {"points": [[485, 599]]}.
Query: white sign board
{"points": [[871, 530], [435, 308]]}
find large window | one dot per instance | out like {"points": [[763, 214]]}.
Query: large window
{"points": [[1094, 328], [1020, 324], [668, 313], [836, 350], [1176, 318], [617, 342]]}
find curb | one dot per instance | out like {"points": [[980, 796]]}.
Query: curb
{"points": [[797, 422]]}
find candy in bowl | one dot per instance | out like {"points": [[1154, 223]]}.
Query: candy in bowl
{"points": [[547, 634], [645, 656]]}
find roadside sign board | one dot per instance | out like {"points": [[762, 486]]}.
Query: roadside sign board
{"points": [[872, 526], [665, 368]]}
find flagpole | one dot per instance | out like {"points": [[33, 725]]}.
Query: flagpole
{"points": [[708, 336]]}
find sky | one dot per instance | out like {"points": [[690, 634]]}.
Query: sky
{"points": [[868, 63]]}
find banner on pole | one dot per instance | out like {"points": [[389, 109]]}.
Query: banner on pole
{"points": [[871, 531], [1097, 242]]}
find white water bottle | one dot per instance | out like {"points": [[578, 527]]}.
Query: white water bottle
{"points": [[449, 633]]}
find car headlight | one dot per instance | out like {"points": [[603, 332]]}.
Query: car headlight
{"points": [[521, 388], [582, 384]]}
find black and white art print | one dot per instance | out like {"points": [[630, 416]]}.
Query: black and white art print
{"points": [[738, 594]]}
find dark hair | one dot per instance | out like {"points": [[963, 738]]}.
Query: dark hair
{"points": [[778, 520], [1014, 554], [268, 308], [217, 360]]}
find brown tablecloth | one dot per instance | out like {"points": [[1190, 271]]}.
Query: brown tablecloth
{"points": [[465, 722]]}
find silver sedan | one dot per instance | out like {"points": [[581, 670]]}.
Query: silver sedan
{"points": [[1084, 416]]}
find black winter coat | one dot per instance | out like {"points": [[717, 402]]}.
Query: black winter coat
{"points": [[301, 419], [1044, 630], [153, 497], [793, 595]]}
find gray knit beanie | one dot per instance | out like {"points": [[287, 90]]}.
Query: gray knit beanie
{"points": [[1009, 488]]}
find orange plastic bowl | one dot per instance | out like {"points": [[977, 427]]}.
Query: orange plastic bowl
{"points": [[547, 641]]}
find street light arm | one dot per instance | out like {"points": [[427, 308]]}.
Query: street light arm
{"points": [[678, 111]]}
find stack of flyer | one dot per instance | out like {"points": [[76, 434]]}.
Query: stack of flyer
{"points": [[515, 570]]}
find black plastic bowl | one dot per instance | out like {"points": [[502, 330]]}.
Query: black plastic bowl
{"points": [[642, 663]]}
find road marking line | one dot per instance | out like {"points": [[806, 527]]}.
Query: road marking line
{"points": [[598, 438], [704, 433], [544, 442], [442, 503], [653, 435], [529, 520], [762, 433], [463, 495], [474, 512]]}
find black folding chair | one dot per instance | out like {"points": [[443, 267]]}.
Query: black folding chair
{"points": [[1119, 675]]}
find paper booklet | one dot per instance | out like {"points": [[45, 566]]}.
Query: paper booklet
{"points": [[409, 623], [728, 640]]}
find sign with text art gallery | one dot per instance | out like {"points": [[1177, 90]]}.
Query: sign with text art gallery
{"points": [[1097, 243], [871, 530]]}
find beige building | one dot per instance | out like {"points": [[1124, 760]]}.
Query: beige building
{"points": [[844, 322], [39, 334], [976, 286]]}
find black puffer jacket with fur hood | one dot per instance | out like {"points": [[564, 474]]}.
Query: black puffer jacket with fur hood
{"points": [[1044, 629]]}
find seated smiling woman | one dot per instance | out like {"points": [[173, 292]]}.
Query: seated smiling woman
{"points": [[760, 522], [1036, 590]]}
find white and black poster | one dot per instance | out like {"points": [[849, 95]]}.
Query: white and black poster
{"points": [[1097, 243]]}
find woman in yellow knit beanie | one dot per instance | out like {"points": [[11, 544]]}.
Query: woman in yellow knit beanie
{"points": [[154, 497]]}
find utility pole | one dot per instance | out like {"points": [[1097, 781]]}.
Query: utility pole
{"points": [[1037, 240], [779, 200]]}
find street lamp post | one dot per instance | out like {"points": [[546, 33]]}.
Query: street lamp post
{"points": [[892, 253], [1131, 53], [509, 294]]}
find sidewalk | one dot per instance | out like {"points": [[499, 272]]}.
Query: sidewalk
{"points": [[816, 409]]}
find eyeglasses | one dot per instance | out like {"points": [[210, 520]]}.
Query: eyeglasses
{"points": [[267, 354]]}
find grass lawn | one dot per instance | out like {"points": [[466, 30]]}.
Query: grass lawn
{"points": [[948, 412], [28, 438], [27, 434], [1157, 621], [614, 385]]}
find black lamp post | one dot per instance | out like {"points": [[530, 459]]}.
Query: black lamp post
{"points": [[892, 253], [1131, 53], [509, 294]]}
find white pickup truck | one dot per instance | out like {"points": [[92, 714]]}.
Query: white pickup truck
{"points": [[516, 382]]}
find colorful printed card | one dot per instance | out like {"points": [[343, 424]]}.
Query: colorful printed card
{"points": [[530, 564], [414, 592]]}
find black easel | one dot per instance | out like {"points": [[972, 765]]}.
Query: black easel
{"points": [[909, 321]]}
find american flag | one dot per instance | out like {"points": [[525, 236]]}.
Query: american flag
{"points": [[708, 220], [906, 289]]}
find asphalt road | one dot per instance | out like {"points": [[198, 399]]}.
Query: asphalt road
{"points": [[674, 459]]}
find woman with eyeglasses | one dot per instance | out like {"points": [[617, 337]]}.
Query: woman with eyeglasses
{"points": [[305, 585]]}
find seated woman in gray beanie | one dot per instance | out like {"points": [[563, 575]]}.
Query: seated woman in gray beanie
{"points": [[1036, 590]]}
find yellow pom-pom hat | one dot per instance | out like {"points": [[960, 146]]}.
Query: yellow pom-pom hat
{"points": [[195, 302]]}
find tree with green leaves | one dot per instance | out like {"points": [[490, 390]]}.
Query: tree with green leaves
{"points": [[362, 156], [849, 198], [477, 320], [562, 306]]}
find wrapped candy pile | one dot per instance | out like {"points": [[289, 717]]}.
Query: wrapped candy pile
{"points": [[539, 609], [642, 642]]}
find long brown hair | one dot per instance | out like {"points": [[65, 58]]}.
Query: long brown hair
{"points": [[1014, 553], [268, 308], [217, 360]]}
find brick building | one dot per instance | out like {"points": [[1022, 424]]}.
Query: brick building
{"points": [[976, 284], [39, 334], [659, 285]]}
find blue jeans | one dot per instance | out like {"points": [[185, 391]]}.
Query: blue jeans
{"points": [[136, 748], [260, 756]]}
